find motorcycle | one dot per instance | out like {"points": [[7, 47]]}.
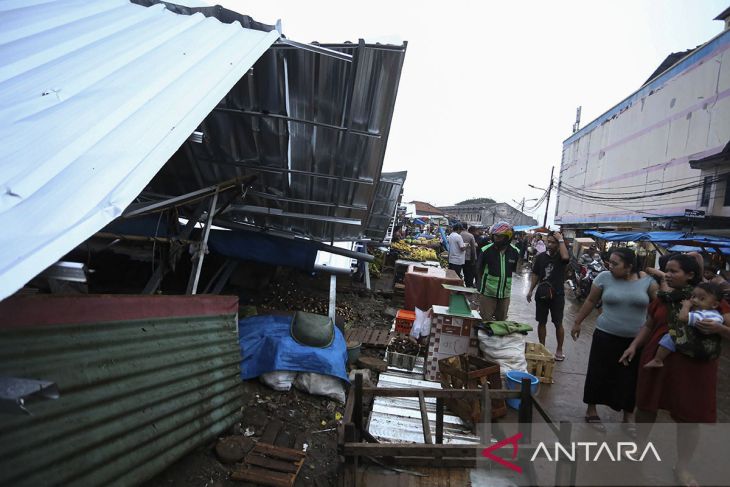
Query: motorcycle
{"points": [[582, 276]]}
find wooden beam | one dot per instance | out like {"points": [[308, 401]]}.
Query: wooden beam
{"points": [[411, 450], [440, 393], [424, 419]]}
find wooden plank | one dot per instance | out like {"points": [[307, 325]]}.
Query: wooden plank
{"points": [[261, 476], [271, 431], [414, 450], [424, 419], [272, 464], [279, 452], [443, 393]]}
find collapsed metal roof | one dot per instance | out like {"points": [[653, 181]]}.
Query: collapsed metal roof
{"points": [[311, 122], [95, 97]]}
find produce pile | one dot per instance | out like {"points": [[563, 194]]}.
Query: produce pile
{"points": [[376, 266], [415, 253], [423, 241], [405, 345]]}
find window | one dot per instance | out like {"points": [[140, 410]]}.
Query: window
{"points": [[706, 187], [726, 201]]}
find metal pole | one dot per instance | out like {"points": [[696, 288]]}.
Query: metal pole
{"points": [[333, 297], [204, 244], [547, 203]]}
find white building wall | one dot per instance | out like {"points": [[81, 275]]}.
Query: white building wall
{"points": [[644, 144]]}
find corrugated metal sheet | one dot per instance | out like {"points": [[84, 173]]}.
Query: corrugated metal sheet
{"points": [[136, 395], [313, 128], [387, 197], [94, 98], [398, 419]]}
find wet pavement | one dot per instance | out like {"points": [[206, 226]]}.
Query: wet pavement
{"points": [[564, 399]]}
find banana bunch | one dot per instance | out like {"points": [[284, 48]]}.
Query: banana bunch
{"points": [[421, 253], [400, 246]]}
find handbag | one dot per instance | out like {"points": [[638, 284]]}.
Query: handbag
{"points": [[544, 291]]}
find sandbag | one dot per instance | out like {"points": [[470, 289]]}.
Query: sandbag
{"points": [[321, 385], [279, 380], [508, 351]]}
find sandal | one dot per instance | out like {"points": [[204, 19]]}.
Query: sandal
{"points": [[596, 423], [559, 357]]}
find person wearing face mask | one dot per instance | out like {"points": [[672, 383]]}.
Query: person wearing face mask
{"points": [[496, 264], [626, 294]]}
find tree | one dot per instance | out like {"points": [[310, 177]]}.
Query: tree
{"points": [[477, 201]]}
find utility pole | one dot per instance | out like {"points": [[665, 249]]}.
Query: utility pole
{"points": [[547, 203]]}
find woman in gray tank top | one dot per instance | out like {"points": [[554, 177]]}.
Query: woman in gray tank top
{"points": [[626, 294]]}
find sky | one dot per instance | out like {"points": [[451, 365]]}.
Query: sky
{"points": [[489, 89]]}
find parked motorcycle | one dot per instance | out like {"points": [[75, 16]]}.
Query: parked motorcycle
{"points": [[583, 275]]}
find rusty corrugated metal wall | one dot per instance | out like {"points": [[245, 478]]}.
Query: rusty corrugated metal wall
{"points": [[136, 395]]}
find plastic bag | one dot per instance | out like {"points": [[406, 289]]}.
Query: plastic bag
{"points": [[508, 351], [279, 380], [422, 324], [321, 385]]}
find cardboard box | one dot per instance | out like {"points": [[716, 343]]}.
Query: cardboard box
{"points": [[450, 335]]}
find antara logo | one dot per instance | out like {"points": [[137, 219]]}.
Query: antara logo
{"points": [[592, 452]]}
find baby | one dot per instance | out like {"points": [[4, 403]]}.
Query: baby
{"points": [[702, 305]]}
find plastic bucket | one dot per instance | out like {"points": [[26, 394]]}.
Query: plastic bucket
{"points": [[514, 382], [353, 352]]}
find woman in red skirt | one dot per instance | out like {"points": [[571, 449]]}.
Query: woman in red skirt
{"points": [[686, 386]]}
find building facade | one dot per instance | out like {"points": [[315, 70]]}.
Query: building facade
{"points": [[630, 168], [487, 214]]}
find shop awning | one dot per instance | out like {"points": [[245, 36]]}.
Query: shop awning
{"points": [[680, 238], [95, 97], [690, 248]]}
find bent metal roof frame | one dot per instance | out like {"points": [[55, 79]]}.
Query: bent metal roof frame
{"points": [[95, 97], [312, 123]]}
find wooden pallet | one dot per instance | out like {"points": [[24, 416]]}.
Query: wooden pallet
{"points": [[270, 465], [371, 337]]}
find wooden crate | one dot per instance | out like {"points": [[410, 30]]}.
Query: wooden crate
{"points": [[471, 372], [270, 465], [540, 362]]}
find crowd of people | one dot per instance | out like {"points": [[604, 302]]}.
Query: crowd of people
{"points": [[657, 338]]}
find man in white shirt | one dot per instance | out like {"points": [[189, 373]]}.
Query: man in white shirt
{"points": [[457, 249]]}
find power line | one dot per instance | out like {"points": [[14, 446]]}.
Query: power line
{"points": [[654, 195], [651, 182]]}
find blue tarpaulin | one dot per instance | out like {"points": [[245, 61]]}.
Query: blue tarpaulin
{"points": [[261, 247], [680, 238], [637, 236], [525, 228], [418, 221], [689, 248], [267, 346]]}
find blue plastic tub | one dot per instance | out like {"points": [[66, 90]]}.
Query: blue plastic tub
{"points": [[514, 382]]}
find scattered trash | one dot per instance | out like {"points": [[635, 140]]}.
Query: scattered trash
{"points": [[338, 416], [248, 432]]}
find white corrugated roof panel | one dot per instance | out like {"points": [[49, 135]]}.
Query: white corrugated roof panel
{"points": [[95, 97]]}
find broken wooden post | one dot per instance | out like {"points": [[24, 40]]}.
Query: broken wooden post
{"points": [[424, 419], [439, 420], [357, 409], [525, 411]]}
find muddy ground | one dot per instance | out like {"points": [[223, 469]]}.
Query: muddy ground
{"points": [[306, 419]]}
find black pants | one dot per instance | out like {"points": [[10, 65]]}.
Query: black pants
{"points": [[470, 273], [456, 268]]}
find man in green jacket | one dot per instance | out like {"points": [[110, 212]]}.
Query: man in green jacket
{"points": [[496, 265]]}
